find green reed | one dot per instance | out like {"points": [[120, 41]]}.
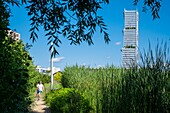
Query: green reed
{"points": [[141, 89]]}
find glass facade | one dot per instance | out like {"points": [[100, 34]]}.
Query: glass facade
{"points": [[130, 32]]}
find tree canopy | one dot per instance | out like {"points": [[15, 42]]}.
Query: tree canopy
{"points": [[76, 20]]}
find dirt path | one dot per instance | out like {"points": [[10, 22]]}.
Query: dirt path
{"points": [[39, 106]]}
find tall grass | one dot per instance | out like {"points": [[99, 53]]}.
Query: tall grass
{"points": [[142, 89], [92, 82]]}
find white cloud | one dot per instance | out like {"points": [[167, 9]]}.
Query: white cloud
{"points": [[84, 64], [58, 59], [118, 43], [108, 57], [100, 66]]}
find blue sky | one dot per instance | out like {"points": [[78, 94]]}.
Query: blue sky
{"points": [[99, 54]]}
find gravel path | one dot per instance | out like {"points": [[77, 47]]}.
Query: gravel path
{"points": [[39, 106]]}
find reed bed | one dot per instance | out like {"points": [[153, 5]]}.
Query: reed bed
{"points": [[141, 89]]}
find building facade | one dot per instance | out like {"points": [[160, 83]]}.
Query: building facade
{"points": [[47, 70], [130, 45], [42, 70], [14, 35]]}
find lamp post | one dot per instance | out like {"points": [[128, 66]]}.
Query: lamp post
{"points": [[51, 66]]}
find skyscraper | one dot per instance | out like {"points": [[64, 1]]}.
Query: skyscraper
{"points": [[130, 32]]}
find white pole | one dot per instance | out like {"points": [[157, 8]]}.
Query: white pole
{"points": [[51, 65]]}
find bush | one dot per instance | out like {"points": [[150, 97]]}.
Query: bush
{"points": [[68, 100], [14, 76], [58, 76]]}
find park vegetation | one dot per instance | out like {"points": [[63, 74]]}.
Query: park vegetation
{"points": [[18, 76], [138, 90], [142, 89]]}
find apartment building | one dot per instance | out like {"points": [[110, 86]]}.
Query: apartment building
{"points": [[130, 32], [47, 70], [14, 35]]}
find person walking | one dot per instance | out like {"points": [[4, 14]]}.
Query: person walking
{"points": [[40, 88], [37, 89]]}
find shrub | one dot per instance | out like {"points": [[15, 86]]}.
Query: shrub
{"points": [[68, 100], [58, 76], [14, 75]]}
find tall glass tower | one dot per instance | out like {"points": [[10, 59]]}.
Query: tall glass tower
{"points": [[130, 32]]}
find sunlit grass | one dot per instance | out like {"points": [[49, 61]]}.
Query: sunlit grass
{"points": [[142, 89], [56, 85]]}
